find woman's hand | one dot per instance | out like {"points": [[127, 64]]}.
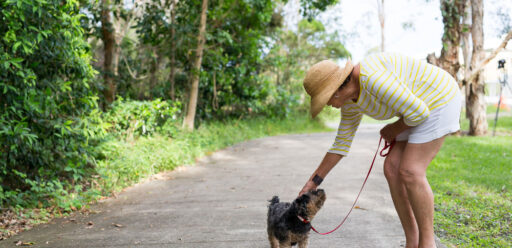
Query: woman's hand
{"points": [[390, 131], [309, 186]]}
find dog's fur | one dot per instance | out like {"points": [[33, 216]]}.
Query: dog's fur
{"points": [[284, 227]]}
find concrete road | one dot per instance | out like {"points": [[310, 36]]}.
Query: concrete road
{"points": [[222, 201]]}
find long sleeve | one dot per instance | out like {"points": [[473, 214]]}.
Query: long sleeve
{"points": [[346, 132], [387, 87]]}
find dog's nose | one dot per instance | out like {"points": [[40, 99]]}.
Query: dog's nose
{"points": [[320, 191]]}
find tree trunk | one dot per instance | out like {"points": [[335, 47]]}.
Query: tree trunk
{"points": [[453, 11], [109, 47], [194, 89], [382, 18], [156, 60], [172, 92], [475, 88], [466, 47], [215, 100]]}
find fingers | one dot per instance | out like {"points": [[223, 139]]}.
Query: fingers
{"points": [[309, 186], [388, 133]]}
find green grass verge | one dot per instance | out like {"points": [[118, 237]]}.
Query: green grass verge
{"points": [[503, 126], [126, 163], [472, 181]]}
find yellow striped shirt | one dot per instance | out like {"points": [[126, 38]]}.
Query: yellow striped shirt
{"points": [[394, 85]]}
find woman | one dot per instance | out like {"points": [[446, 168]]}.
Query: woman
{"points": [[427, 101]]}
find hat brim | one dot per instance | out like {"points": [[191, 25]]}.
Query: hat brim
{"points": [[319, 101]]}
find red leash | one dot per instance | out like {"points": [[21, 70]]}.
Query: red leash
{"points": [[382, 154]]}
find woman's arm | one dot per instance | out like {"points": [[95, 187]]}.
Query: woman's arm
{"points": [[329, 161]]}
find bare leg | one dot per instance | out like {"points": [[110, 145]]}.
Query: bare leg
{"points": [[413, 165], [399, 195]]}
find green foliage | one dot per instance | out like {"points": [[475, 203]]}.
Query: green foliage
{"points": [[472, 185], [292, 53], [452, 12], [230, 80], [127, 119], [44, 95], [124, 163], [311, 8]]}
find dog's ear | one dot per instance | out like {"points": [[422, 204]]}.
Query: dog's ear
{"points": [[301, 204]]}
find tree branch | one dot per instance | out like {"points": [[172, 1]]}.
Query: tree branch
{"points": [[130, 70], [492, 56]]}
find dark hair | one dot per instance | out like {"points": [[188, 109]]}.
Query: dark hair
{"points": [[345, 82]]}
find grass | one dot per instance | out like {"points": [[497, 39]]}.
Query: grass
{"points": [[503, 126], [126, 163], [472, 181]]}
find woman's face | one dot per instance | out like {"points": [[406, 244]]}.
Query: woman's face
{"points": [[339, 97]]}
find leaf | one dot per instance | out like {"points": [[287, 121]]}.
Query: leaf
{"points": [[15, 46]]}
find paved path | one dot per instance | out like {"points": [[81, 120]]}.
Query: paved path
{"points": [[222, 201]]}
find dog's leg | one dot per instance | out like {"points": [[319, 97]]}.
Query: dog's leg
{"points": [[285, 244], [274, 243], [303, 243]]}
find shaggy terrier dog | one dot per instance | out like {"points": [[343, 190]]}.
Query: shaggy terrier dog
{"points": [[289, 223]]}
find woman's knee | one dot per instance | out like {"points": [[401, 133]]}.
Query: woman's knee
{"points": [[391, 167], [411, 176]]}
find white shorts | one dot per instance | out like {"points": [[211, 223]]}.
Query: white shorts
{"points": [[441, 121]]}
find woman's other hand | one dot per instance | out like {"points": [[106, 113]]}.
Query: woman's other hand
{"points": [[309, 186], [390, 131]]}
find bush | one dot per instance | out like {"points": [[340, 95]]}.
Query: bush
{"points": [[142, 118], [44, 95]]}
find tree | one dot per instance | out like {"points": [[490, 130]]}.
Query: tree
{"points": [[475, 89], [382, 18], [452, 12], [172, 63], [457, 30], [311, 8], [109, 21], [111, 52], [194, 89]]}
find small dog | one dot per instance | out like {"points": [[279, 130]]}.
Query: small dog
{"points": [[288, 223]]}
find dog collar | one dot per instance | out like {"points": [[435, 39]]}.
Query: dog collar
{"points": [[304, 220]]}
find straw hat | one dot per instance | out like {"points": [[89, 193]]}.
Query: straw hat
{"points": [[322, 80]]}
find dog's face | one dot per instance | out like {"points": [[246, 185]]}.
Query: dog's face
{"points": [[308, 204]]}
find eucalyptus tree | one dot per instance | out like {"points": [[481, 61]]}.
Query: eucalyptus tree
{"points": [[463, 19], [454, 28], [188, 122]]}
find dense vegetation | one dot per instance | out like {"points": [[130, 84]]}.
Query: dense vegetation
{"points": [[82, 80], [46, 100]]}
